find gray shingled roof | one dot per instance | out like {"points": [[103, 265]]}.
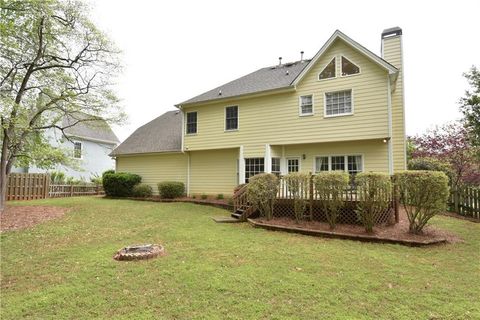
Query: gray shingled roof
{"points": [[163, 134], [95, 130], [265, 79]]}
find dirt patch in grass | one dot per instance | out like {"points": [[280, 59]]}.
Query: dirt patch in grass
{"points": [[397, 231], [22, 217]]}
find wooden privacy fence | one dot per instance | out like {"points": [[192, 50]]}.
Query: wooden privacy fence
{"points": [[465, 201], [29, 186]]}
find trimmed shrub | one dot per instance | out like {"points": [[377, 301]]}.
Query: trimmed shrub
{"points": [[142, 191], [261, 191], [220, 196], [298, 185], [120, 184], [374, 193], [107, 172], [423, 195], [171, 189], [329, 187], [204, 197]]}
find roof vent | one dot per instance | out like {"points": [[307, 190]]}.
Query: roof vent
{"points": [[279, 61], [219, 92], [301, 56], [287, 73]]}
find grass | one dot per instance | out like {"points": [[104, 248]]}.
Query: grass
{"points": [[64, 269]]}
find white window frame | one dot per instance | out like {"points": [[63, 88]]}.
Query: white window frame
{"points": [[186, 123], [279, 165], [81, 149], [325, 115], [225, 118], [300, 113], [323, 69], [245, 169], [349, 75], [345, 155], [294, 158]]}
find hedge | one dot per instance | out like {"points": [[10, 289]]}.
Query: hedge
{"points": [[329, 187], [171, 189], [261, 192], [297, 184], [423, 195], [142, 191], [120, 184], [374, 191]]}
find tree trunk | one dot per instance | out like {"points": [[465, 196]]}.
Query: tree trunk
{"points": [[4, 170]]}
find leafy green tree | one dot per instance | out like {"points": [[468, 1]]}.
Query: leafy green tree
{"points": [[54, 63], [470, 105]]}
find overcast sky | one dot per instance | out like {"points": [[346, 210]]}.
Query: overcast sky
{"points": [[174, 50]]}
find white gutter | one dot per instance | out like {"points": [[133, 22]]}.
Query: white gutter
{"points": [[389, 107]]}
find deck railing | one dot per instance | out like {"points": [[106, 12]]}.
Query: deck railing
{"points": [[285, 199]]}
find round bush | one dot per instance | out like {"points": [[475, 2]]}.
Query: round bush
{"points": [[329, 187], [297, 183], [107, 172], [120, 184], [261, 192], [171, 189], [374, 192], [423, 195], [142, 191]]}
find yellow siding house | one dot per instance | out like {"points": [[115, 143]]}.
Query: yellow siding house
{"points": [[341, 110]]}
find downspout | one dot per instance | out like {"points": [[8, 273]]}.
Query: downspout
{"points": [[389, 141], [183, 149], [188, 173]]}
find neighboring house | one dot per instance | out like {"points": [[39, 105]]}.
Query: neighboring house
{"points": [[89, 144], [341, 110]]}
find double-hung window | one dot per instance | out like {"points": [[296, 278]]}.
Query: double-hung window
{"points": [[338, 163], [338, 103], [306, 105], [276, 166], [77, 150], [321, 164], [191, 122], [231, 118], [253, 166], [352, 164]]}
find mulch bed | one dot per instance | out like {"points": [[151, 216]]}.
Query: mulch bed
{"points": [[397, 233], [22, 217]]}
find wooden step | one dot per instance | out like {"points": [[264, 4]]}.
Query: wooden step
{"points": [[236, 215]]}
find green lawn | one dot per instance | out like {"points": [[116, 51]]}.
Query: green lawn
{"points": [[64, 269]]}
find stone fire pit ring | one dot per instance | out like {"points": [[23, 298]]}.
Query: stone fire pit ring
{"points": [[139, 252]]}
